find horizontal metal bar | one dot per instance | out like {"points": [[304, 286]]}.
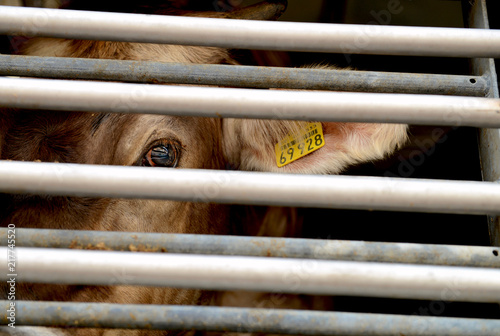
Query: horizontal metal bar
{"points": [[291, 36], [301, 276], [256, 188], [247, 320], [476, 256], [241, 76], [72, 95]]}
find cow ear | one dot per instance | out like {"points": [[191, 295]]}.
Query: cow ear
{"points": [[264, 10], [251, 144], [307, 147]]}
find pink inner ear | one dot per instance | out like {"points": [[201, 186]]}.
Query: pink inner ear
{"points": [[343, 136], [338, 131]]}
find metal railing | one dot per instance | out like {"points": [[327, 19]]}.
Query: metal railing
{"points": [[449, 255], [243, 320], [247, 34], [253, 188], [317, 277], [186, 270], [259, 104], [242, 76], [473, 272]]}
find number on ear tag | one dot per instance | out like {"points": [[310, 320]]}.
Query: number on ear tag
{"points": [[296, 146]]}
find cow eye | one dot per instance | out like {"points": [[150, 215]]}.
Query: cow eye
{"points": [[161, 156]]}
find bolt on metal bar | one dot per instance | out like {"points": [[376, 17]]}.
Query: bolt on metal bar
{"points": [[72, 95], [241, 76], [254, 188], [299, 276], [247, 320], [476, 256], [266, 35]]}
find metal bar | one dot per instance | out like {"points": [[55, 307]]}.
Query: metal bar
{"points": [[300, 276], [72, 95], [242, 320], [475, 256], [241, 76], [489, 139], [266, 35], [256, 188]]}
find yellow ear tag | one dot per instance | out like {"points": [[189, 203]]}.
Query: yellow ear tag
{"points": [[298, 145]]}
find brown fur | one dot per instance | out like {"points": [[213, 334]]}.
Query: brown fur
{"points": [[96, 138]]}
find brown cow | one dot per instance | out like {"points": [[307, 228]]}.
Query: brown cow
{"points": [[161, 141]]}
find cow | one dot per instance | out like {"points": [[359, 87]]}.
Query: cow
{"points": [[162, 142]]}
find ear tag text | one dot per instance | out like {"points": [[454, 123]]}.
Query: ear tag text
{"points": [[298, 145]]}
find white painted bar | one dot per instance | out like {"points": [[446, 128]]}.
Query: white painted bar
{"points": [[237, 187], [73, 95], [268, 35], [303, 276]]}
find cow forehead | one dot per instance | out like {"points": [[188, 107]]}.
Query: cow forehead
{"points": [[131, 136], [44, 136], [93, 138], [101, 138]]}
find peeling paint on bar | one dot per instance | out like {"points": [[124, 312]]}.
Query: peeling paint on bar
{"points": [[221, 319], [472, 256]]}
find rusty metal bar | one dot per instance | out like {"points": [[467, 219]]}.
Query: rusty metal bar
{"points": [[265, 35], [242, 320], [472, 256], [74, 95], [241, 76], [297, 276]]}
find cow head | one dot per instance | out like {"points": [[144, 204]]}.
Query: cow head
{"points": [[159, 142]]}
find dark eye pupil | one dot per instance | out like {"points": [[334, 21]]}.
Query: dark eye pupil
{"points": [[160, 156]]}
